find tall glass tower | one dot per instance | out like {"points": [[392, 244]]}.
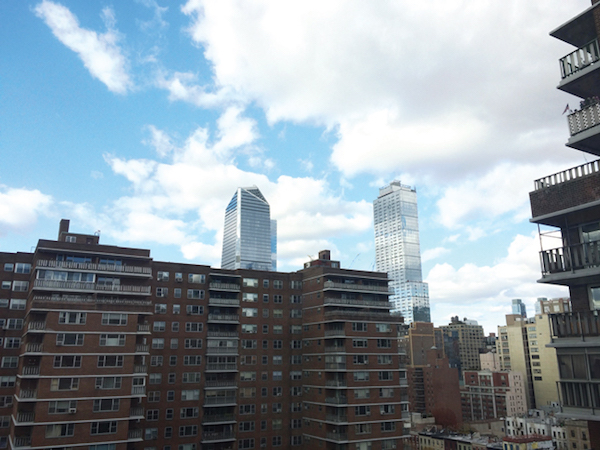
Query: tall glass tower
{"points": [[397, 250], [249, 235]]}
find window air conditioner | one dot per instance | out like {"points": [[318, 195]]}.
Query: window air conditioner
{"points": [[72, 410]]}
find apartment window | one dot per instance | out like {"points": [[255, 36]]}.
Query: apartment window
{"points": [[277, 344], [362, 428], [162, 292], [384, 359], [278, 299], [384, 343], [152, 414], [112, 340], [362, 410], [277, 391], [244, 444], [250, 297], [20, 286], [383, 327], [277, 313], [60, 430], [247, 328], [188, 430], [195, 294], [73, 318], [196, 278], [114, 319], [250, 282], [249, 343], [277, 329], [4, 303], [6, 284], [276, 408], [193, 327], [295, 329], [265, 298], [190, 394], [9, 267], [387, 409], [246, 426], [13, 324], [11, 343], [188, 413], [7, 381], [62, 406], [277, 284], [194, 310], [247, 409], [360, 359], [106, 404], [359, 326], [69, 339], [6, 401], [110, 361], [67, 361], [295, 313], [266, 284], [162, 276], [158, 343], [247, 376], [156, 360], [361, 376], [193, 343], [150, 434], [277, 375], [359, 343], [362, 393], [250, 312], [386, 376], [296, 440], [191, 377], [176, 309], [175, 342], [386, 392], [277, 360], [18, 303], [192, 360], [388, 426], [155, 378], [64, 384], [154, 396], [296, 344]]}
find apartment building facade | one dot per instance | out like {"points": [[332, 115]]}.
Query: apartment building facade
{"points": [[105, 349]]}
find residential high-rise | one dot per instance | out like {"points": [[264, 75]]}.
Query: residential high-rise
{"points": [[397, 250], [249, 234], [470, 342], [104, 348], [568, 203]]}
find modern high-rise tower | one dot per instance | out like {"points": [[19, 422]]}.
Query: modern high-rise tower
{"points": [[249, 235], [397, 250]]}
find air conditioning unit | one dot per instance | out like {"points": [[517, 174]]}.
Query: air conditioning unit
{"points": [[72, 410]]}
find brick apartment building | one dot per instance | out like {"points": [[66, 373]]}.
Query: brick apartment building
{"points": [[105, 349]]}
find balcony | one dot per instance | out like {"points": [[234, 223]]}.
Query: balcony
{"points": [[568, 192], [224, 318], [120, 269], [220, 384], [217, 418], [336, 383], [219, 334], [215, 436], [221, 366], [580, 399], [142, 348], [579, 70], [359, 303], [337, 332], [143, 328], [138, 390], [25, 418], [36, 326], [335, 366], [337, 418], [584, 128], [216, 286], [134, 435], [34, 347], [48, 301], [136, 413], [221, 350], [140, 369], [31, 371], [337, 436], [362, 315], [574, 259], [28, 394], [338, 400], [335, 349], [217, 401], [356, 287], [580, 325], [91, 287], [21, 441], [223, 302]]}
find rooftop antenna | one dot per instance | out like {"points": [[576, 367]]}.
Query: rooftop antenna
{"points": [[354, 260]]}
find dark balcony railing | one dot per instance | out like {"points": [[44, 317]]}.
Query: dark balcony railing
{"points": [[219, 400], [212, 334], [221, 366], [580, 394], [220, 383], [31, 370], [223, 318], [567, 175], [217, 436], [83, 286], [224, 286], [25, 417], [340, 400], [575, 324], [22, 441], [223, 302], [118, 268], [384, 289], [579, 59], [336, 418], [573, 257], [214, 418], [342, 301], [337, 436], [584, 119]]}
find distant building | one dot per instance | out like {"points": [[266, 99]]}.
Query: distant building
{"points": [[397, 250], [470, 341], [518, 307], [249, 234]]}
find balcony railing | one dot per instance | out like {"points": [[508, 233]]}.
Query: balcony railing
{"points": [[336, 383], [338, 332], [221, 366], [22, 441], [584, 119], [575, 324], [136, 412], [335, 349], [28, 394], [142, 348], [213, 436], [38, 300], [232, 334], [223, 302], [340, 400], [336, 418], [219, 400], [579, 59], [573, 257], [34, 347], [36, 326], [582, 395], [221, 350], [337, 436], [25, 417], [119, 268], [357, 287], [335, 366], [134, 435], [138, 390], [220, 383], [83, 286], [140, 369], [352, 302], [223, 318], [371, 315], [31, 370], [213, 418], [224, 286], [143, 327], [567, 175]]}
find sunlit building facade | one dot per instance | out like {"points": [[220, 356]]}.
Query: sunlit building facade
{"points": [[397, 250], [249, 235]]}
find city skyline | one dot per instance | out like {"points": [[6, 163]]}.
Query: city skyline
{"points": [[157, 112]]}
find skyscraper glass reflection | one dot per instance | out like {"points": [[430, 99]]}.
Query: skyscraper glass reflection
{"points": [[397, 250], [249, 235]]}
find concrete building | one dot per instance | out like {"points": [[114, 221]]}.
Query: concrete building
{"points": [[249, 234], [568, 204], [470, 341], [397, 250], [106, 349]]}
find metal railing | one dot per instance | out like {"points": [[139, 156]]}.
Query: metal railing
{"points": [[224, 301], [336, 383], [23, 416], [34, 347], [138, 390], [338, 332], [357, 287], [579, 59], [212, 418], [140, 369], [31, 370], [142, 348], [335, 366], [220, 383], [584, 119], [340, 400], [22, 441], [219, 400], [28, 393], [567, 175], [337, 436], [134, 434], [217, 436], [343, 301], [36, 326], [119, 268], [573, 257], [142, 327], [224, 317], [137, 411], [224, 286], [221, 350], [233, 334], [221, 366], [85, 286], [336, 418], [575, 324]]}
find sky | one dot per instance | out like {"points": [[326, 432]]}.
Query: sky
{"points": [[138, 120]]}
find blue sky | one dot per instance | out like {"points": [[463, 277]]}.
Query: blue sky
{"points": [[140, 119]]}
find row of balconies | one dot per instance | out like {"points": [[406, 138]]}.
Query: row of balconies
{"points": [[25, 441], [356, 287], [568, 259], [40, 325], [38, 347], [116, 268], [351, 302], [31, 394], [26, 418], [92, 287]]}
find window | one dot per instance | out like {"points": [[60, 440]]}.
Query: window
{"points": [[251, 282], [245, 444], [64, 384], [250, 297], [276, 441], [177, 293], [277, 284], [176, 309], [67, 361], [188, 430], [296, 440], [9, 267], [383, 327], [191, 377], [194, 310], [388, 426], [359, 343], [192, 360], [73, 318], [114, 319], [296, 299], [363, 410], [190, 394], [61, 406], [277, 391], [387, 409], [158, 343], [193, 343], [154, 396], [277, 375], [277, 329], [362, 393], [155, 378], [60, 430], [162, 276], [195, 294], [152, 414], [106, 404], [156, 361], [6, 401], [150, 434], [18, 303], [248, 343], [14, 324], [69, 339], [361, 376], [247, 328], [247, 376], [194, 327], [247, 409], [359, 326], [362, 428], [360, 359], [7, 381], [295, 313], [278, 299], [386, 392], [108, 382], [295, 329], [160, 308], [11, 342], [250, 312], [196, 278], [188, 413], [174, 343], [384, 343], [20, 286], [162, 292], [386, 376], [112, 340], [276, 408], [4, 303], [384, 359], [110, 361]]}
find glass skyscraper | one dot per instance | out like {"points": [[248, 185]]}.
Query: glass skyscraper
{"points": [[249, 235], [397, 250]]}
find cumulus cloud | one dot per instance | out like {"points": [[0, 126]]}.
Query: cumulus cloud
{"points": [[484, 293], [433, 253], [20, 208], [100, 53]]}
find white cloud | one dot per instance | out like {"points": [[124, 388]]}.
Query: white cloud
{"points": [[20, 208], [484, 293], [433, 253], [157, 23], [100, 53]]}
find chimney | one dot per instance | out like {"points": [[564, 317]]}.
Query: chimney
{"points": [[63, 228]]}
